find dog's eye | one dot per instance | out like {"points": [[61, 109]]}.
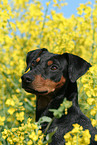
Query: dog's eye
{"points": [[33, 63], [54, 67]]}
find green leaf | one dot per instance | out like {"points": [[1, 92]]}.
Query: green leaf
{"points": [[44, 119], [60, 111], [28, 107], [56, 112], [49, 136]]}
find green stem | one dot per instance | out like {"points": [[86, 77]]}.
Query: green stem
{"points": [[77, 138], [93, 38], [3, 101], [49, 125], [43, 23]]}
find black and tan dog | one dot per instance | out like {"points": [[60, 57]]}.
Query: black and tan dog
{"points": [[52, 77]]}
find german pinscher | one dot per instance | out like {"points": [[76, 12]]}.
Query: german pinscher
{"points": [[52, 77]]}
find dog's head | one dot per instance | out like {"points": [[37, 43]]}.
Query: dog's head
{"points": [[49, 72]]}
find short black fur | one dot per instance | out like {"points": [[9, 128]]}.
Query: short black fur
{"points": [[71, 67]]}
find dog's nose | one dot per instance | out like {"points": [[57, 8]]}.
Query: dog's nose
{"points": [[26, 79]]}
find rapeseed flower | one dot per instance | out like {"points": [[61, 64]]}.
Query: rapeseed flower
{"points": [[11, 110], [77, 136], [2, 119], [95, 137], [18, 135], [20, 116], [24, 27], [10, 102], [33, 136]]}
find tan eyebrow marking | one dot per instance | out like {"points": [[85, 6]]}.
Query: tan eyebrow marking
{"points": [[50, 62], [38, 59], [39, 53]]}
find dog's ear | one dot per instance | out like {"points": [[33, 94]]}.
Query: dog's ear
{"points": [[32, 55], [76, 66]]}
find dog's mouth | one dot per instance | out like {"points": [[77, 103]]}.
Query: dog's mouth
{"points": [[30, 90]]}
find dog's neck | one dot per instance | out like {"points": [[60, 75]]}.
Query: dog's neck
{"points": [[44, 103]]}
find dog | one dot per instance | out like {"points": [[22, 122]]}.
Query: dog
{"points": [[52, 78]]}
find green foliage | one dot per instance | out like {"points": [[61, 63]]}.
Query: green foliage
{"points": [[62, 109]]}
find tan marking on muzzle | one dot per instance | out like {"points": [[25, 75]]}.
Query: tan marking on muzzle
{"points": [[40, 84]]}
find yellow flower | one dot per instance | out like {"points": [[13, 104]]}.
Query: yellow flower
{"points": [[2, 119], [77, 136], [5, 134], [67, 136], [48, 3], [29, 142], [74, 35], [86, 136], [79, 11], [77, 128], [94, 122], [55, 1], [66, 111], [11, 110], [41, 137], [9, 139], [68, 143], [1, 143], [93, 112], [90, 101], [14, 129], [27, 70], [17, 90], [20, 116], [34, 126], [96, 137], [10, 102], [33, 136], [39, 132]]}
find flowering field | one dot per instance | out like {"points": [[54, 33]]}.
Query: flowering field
{"points": [[24, 26]]}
